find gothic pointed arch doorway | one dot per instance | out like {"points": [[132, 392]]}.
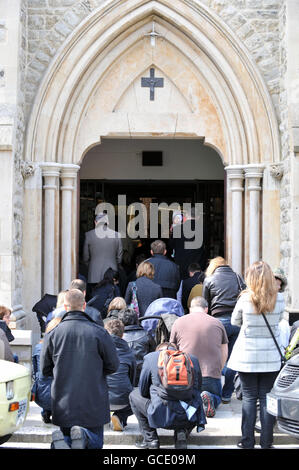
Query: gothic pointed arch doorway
{"points": [[211, 90]]}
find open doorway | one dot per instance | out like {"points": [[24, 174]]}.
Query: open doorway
{"points": [[210, 193], [189, 172]]}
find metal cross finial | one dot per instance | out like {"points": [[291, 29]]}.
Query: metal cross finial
{"points": [[153, 34]]}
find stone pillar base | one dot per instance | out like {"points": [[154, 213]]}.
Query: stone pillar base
{"points": [[22, 347], [21, 320]]}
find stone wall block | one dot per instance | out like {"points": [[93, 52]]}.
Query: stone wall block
{"points": [[272, 4], [38, 66], [237, 21], [63, 28], [262, 14], [36, 22], [245, 31], [43, 58], [61, 3], [72, 19], [37, 3], [33, 77], [51, 20]]}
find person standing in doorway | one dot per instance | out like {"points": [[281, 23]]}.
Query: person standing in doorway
{"points": [[167, 273], [182, 235], [102, 250]]}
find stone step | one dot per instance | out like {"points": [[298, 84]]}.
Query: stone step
{"points": [[224, 429]]}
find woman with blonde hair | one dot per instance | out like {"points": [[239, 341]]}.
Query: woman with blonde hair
{"points": [[59, 309], [116, 305], [146, 290], [214, 264], [255, 355], [221, 289]]}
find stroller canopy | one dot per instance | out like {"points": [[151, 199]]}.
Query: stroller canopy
{"points": [[159, 307]]}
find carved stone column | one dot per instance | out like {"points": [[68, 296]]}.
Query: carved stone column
{"points": [[68, 179], [50, 173], [235, 175], [253, 175]]}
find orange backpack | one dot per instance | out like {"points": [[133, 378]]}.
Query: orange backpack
{"points": [[175, 370]]}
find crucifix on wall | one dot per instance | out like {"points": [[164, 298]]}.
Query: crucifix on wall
{"points": [[152, 82]]}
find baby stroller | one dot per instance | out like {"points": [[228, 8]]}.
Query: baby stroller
{"points": [[160, 316]]}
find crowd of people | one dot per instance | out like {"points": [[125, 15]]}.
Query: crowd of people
{"points": [[98, 360]]}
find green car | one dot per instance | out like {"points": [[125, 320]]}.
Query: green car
{"points": [[15, 395]]}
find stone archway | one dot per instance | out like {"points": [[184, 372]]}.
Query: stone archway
{"points": [[92, 89]]}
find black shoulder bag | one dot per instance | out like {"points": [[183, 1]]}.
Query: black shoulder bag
{"points": [[283, 359]]}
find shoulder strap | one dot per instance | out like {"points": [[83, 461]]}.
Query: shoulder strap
{"points": [[239, 283], [274, 339]]}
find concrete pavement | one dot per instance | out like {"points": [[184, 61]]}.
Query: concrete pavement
{"points": [[223, 430]]}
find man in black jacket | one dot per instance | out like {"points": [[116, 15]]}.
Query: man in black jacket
{"points": [[79, 354], [92, 312], [167, 273]]}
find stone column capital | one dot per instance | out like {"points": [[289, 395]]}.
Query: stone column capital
{"points": [[254, 173], [50, 168], [68, 175], [69, 170], [254, 170], [235, 171], [235, 174]]}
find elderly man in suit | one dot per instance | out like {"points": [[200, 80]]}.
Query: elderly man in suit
{"points": [[102, 250]]}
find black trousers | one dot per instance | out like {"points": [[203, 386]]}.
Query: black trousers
{"points": [[139, 406]]}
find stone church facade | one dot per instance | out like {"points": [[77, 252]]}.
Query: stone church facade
{"points": [[70, 75]]}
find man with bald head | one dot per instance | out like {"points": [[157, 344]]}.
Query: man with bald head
{"points": [[79, 354]]}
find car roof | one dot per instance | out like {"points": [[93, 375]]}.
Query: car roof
{"points": [[10, 371]]}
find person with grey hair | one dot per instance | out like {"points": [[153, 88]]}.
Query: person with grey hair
{"points": [[102, 250], [198, 303], [204, 336], [79, 354]]}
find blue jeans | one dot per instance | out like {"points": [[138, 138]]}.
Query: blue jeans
{"points": [[95, 437], [255, 386], [232, 332], [212, 385]]}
